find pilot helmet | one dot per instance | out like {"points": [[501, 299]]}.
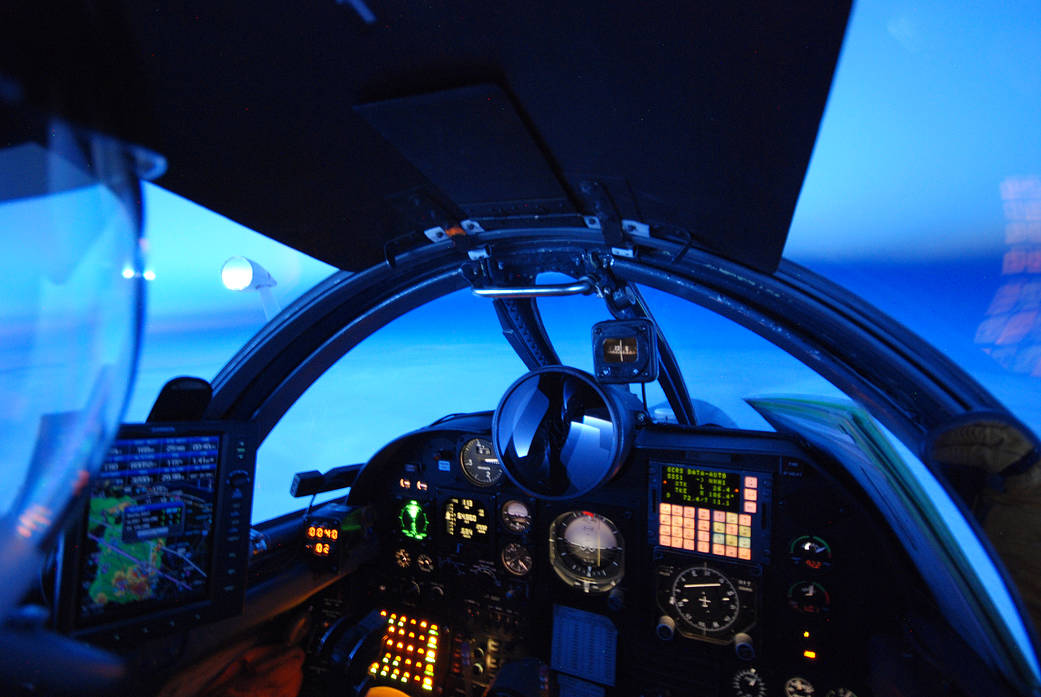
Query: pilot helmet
{"points": [[71, 287]]}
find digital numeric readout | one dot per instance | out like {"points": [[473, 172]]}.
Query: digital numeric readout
{"points": [[689, 486], [466, 519]]}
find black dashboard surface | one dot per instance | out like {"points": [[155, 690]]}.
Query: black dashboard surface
{"points": [[764, 575]]}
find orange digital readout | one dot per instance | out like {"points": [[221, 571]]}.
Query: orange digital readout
{"points": [[322, 549], [317, 532]]}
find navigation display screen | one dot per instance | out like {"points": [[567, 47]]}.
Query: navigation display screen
{"points": [[149, 527]]}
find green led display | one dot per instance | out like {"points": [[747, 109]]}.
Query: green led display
{"points": [[413, 520]]}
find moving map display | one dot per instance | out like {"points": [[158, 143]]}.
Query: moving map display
{"points": [[149, 526]]}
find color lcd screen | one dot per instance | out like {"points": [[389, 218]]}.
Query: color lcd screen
{"points": [[149, 528]]}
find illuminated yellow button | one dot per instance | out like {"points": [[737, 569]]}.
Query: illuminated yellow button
{"points": [[744, 531], [374, 667], [383, 673], [432, 643], [719, 538], [731, 541], [419, 650], [411, 635], [393, 616], [745, 542], [423, 624], [429, 670], [383, 613], [732, 518], [811, 655], [719, 527], [412, 621], [433, 628], [431, 656]]}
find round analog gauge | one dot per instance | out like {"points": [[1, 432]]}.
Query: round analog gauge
{"points": [[748, 682], [841, 692], [705, 599], [479, 462], [798, 687], [811, 553], [809, 598], [402, 558], [587, 551], [516, 517], [425, 563], [516, 559]]}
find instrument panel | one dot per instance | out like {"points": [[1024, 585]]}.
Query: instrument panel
{"points": [[712, 550]]}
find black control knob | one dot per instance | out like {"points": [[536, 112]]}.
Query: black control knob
{"points": [[666, 628], [743, 646], [435, 592]]}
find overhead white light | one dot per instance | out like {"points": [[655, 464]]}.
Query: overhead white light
{"points": [[149, 275], [240, 273]]}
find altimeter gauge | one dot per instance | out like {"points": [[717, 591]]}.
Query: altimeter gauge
{"points": [[479, 463]]}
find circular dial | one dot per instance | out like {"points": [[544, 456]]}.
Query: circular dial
{"points": [[425, 563], [516, 559], [705, 599], [798, 687], [809, 598], [480, 465], [587, 551], [515, 516], [810, 552], [748, 682], [402, 558]]}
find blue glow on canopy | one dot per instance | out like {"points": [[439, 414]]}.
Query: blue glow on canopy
{"points": [[933, 106]]}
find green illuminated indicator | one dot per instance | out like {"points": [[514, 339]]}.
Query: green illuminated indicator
{"points": [[413, 520]]}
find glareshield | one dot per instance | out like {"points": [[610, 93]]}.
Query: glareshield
{"points": [[70, 314]]}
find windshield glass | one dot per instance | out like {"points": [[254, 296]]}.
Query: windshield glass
{"points": [[923, 195], [194, 324]]}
